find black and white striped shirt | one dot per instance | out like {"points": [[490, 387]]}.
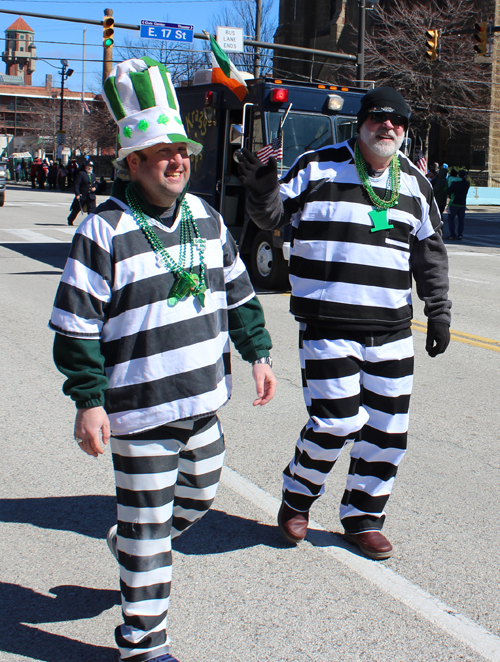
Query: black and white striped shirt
{"points": [[163, 362], [341, 272]]}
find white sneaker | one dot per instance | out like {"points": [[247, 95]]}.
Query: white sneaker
{"points": [[111, 540]]}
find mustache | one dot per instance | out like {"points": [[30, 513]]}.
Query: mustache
{"points": [[387, 132], [179, 169]]}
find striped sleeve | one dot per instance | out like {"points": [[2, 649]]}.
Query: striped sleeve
{"points": [[239, 289], [85, 287]]}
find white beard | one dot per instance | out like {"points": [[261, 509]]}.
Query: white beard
{"points": [[380, 147]]}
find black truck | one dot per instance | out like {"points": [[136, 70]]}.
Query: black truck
{"points": [[310, 115]]}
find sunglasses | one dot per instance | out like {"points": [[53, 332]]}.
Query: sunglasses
{"points": [[379, 117]]}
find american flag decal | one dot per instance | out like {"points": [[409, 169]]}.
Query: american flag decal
{"points": [[275, 148]]}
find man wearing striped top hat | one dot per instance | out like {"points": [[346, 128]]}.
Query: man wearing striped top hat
{"points": [[364, 222], [152, 291]]}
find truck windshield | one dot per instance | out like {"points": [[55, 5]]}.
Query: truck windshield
{"points": [[345, 128], [302, 132]]}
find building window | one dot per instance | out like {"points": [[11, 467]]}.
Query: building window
{"points": [[21, 48], [22, 36]]}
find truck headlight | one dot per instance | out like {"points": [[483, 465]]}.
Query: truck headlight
{"points": [[335, 102]]}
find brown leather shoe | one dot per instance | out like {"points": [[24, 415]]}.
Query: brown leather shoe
{"points": [[371, 543], [292, 523]]}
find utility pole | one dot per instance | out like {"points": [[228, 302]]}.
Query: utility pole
{"points": [[63, 72], [258, 21], [83, 70], [61, 137], [361, 42]]}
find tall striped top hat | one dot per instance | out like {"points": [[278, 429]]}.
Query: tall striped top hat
{"points": [[141, 97]]}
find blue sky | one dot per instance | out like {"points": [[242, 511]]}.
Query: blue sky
{"points": [[200, 13]]}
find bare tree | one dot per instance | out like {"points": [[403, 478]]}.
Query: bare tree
{"points": [[452, 91], [182, 60], [243, 14], [86, 132]]}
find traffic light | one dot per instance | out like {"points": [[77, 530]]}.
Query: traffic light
{"points": [[480, 37], [432, 44], [108, 31]]}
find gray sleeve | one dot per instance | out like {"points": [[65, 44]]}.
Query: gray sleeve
{"points": [[267, 211], [429, 265]]}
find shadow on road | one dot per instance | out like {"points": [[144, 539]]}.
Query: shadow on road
{"points": [[88, 515], [53, 254], [22, 606], [219, 532]]}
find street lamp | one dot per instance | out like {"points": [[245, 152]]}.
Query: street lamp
{"points": [[64, 75]]}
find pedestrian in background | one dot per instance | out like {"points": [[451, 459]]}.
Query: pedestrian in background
{"points": [[62, 173], [458, 205], [440, 187], [152, 291], [364, 225], [34, 172], [85, 188], [72, 171], [41, 173], [52, 175]]}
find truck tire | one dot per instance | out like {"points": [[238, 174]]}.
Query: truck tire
{"points": [[2, 198], [268, 268]]}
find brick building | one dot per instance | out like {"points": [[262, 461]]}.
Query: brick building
{"points": [[30, 115]]}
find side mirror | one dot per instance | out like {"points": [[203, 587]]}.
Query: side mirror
{"points": [[236, 134]]}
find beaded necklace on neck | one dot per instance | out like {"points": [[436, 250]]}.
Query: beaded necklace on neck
{"points": [[186, 282], [393, 181]]}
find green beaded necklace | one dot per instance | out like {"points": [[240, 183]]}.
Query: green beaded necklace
{"points": [[379, 216], [186, 282]]}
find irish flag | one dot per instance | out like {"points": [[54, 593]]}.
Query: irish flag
{"points": [[224, 71]]}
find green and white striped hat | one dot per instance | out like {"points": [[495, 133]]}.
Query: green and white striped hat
{"points": [[141, 97]]}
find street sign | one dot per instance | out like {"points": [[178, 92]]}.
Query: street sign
{"points": [[61, 137], [230, 39], [167, 31]]}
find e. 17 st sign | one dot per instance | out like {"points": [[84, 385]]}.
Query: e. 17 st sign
{"points": [[167, 31]]}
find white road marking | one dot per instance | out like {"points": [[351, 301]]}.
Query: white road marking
{"points": [[36, 204], [424, 604], [471, 253], [31, 237], [471, 280], [69, 230]]}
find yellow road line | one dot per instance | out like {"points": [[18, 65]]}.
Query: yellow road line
{"points": [[459, 336], [467, 338]]}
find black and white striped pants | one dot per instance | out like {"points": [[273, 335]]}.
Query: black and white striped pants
{"points": [[166, 480], [357, 388]]}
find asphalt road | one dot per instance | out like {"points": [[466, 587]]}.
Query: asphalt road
{"points": [[240, 592]]}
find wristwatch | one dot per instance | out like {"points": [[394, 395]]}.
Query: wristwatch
{"points": [[264, 359]]}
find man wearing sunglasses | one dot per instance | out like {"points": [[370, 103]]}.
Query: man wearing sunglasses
{"points": [[364, 223]]}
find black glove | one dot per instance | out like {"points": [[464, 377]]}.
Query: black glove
{"points": [[257, 178], [438, 337]]}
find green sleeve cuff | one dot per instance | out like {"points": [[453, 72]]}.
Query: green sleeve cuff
{"points": [[97, 402], [81, 362], [248, 332]]}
